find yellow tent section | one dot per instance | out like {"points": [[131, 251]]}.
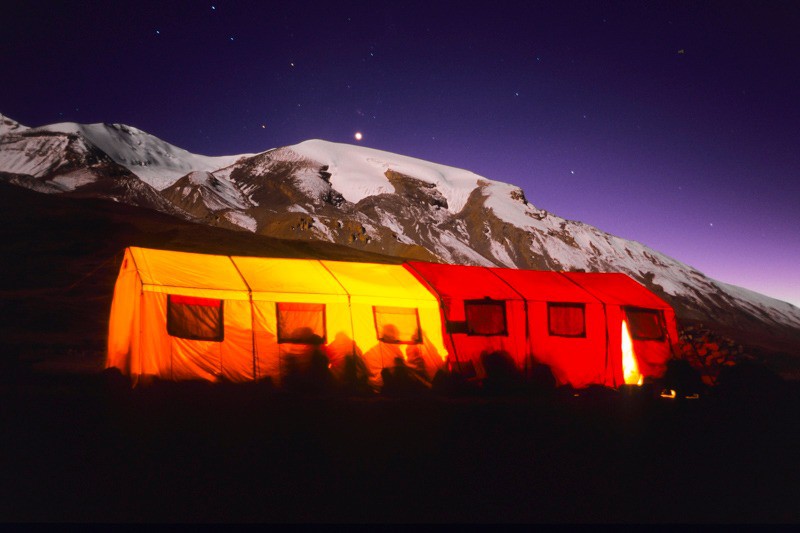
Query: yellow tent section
{"points": [[297, 306], [185, 316], [396, 320], [202, 299]]}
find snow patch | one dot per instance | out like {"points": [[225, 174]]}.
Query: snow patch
{"points": [[322, 230], [358, 172], [456, 251], [73, 180], [34, 156], [389, 221], [500, 253], [8, 125], [309, 181], [242, 220]]}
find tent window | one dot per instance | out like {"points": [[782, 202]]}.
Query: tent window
{"points": [[645, 324], [199, 319], [301, 323], [566, 319], [397, 325], [485, 317]]}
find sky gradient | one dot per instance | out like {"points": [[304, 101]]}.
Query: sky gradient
{"points": [[676, 124]]}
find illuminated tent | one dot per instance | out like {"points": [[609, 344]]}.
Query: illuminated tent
{"points": [[482, 314], [184, 316], [641, 326], [566, 326], [297, 307], [394, 316], [180, 316]]}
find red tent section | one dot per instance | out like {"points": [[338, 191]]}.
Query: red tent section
{"points": [[589, 328], [566, 326], [649, 320], [483, 315]]}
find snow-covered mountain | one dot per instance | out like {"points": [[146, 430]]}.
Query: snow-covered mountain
{"points": [[368, 199], [53, 161], [156, 162]]}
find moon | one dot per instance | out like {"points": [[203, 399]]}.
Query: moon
{"points": [[358, 136]]}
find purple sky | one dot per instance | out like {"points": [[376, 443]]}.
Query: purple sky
{"points": [[675, 124]]}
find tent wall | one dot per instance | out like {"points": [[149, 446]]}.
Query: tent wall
{"points": [[574, 361], [620, 292], [275, 281], [275, 359], [124, 322], [577, 360], [458, 287], [180, 359], [372, 286]]}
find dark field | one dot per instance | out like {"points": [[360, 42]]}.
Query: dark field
{"points": [[90, 449]]}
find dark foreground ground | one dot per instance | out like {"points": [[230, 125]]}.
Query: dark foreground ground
{"points": [[88, 449]]}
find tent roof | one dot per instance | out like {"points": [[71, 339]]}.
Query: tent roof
{"points": [[544, 285], [460, 281], [163, 268], [617, 288], [373, 279], [301, 276]]}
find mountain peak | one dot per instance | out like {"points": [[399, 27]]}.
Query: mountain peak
{"points": [[155, 161], [9, 125], [358, 172]]}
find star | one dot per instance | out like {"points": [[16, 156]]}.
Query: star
{"points": [[358, 136]]}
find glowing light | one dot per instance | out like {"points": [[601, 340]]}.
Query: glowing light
{"points": [[358, 136], [630, 370]]}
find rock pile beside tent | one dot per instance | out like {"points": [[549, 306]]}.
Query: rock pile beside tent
{"points": [[709, 352]]}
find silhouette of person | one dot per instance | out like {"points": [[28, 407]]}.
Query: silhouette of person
{"points": [[416, 363], [348, 366], [318, 378], [306, 363]]}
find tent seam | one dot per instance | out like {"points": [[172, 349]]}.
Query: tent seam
{"points": [[252, 318]]}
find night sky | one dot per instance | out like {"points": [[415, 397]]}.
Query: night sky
{"points": [[676, 124]]}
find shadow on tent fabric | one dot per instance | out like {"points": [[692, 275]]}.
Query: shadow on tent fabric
{"points": [[348, 366], [307, 369], [502, 375]]}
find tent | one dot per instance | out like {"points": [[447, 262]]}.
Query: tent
{"points": [[641, 327], [183, 316], [566, 327], [483, 315]]}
